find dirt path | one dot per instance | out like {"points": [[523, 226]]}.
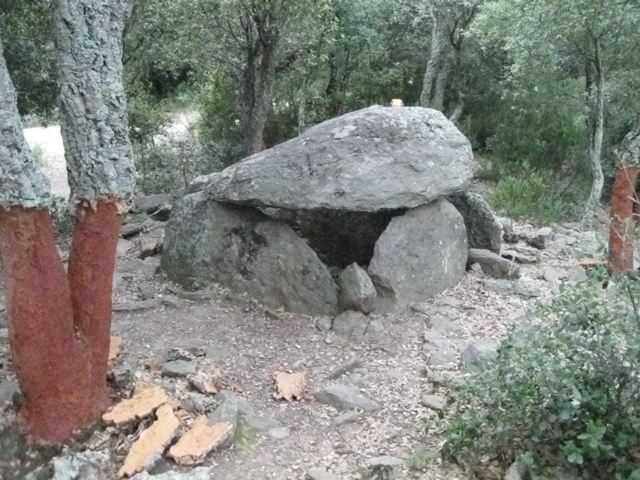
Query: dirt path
{"points": [[246, 343]]}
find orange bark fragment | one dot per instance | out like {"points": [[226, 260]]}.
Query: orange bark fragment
{"points": [[290, 386], [194, 446], [147, 450], [146, 398]]}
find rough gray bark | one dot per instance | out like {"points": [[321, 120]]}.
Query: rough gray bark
{"points": [[435, 76], [263, 35], [595, 121], [630, 147], [22, 183], [88, 36]]}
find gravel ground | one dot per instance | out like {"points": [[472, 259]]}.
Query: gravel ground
{"points": [[246, 343]]}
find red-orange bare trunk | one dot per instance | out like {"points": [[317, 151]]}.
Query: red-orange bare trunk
{"points": [[621, 210], [58, 336], [91, 266]]}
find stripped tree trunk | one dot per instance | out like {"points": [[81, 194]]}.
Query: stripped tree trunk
{"points": [[595, 122], [623, 201], [59, 323]]}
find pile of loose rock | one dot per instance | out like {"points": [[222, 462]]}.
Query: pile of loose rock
{"points": [[380, 191]]}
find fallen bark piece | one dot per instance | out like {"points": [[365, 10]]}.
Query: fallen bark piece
{"points": [[115, 347], [146, 398], [147, 450], [203, 383], [194, 446], [290, 386]]}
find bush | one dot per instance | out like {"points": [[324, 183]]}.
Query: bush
{"points": [[218, 128], [532, 196], [564, 395]]}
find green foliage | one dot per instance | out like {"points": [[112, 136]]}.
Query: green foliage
{"points": [[30, 54], [63, 219], [38, 154], [419, 461], [561, 395], [529, 196], [218, 129]]}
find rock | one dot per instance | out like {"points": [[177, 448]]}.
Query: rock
{"points": [[345, 397], [324, 324], [540, 238], [358, 327], [440, 348], [131, 229], [9, 390], [434, 402], [151, 203], [483, 229], [373, 159], [420, 254], [356, 289], [381, 468], [479, 353], [149, 246], [493, 264], [248, 252], [162, 214], [230, 408], [344, 368], [178, 368], [88, 465], [320, 474], [521, 254], [197, 403], [347, 417], [199, 473]]}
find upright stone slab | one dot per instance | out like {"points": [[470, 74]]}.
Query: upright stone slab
{"points": [[483, 229], [373, 159], [248, 252], [420, 254]]}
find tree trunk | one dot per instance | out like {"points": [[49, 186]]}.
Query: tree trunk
{"points": [[59, 323], [257, 81], [435, 77], [595, 122], [624, 201]]}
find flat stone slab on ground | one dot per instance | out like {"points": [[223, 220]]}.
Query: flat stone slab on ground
{"points": [[345, 397]]}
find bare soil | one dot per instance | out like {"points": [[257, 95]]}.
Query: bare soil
{"points": [[246, 343]]}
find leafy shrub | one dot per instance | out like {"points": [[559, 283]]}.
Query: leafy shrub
{"points": [[218, 129], [63, 220], [531, 196], [563, 395]]}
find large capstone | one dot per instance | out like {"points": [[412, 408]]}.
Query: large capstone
{"points": [[246, 251], [420, 254], [373, 159]]}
